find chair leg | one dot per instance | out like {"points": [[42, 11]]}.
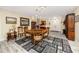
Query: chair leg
{"points": [[18, 35]]}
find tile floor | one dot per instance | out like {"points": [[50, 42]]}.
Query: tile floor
{"points": [[11, 47]]}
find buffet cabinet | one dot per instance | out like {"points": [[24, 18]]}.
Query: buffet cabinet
{"points": [[70, 26]]}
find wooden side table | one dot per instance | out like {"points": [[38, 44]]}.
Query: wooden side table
{"points": [[11, 35]]}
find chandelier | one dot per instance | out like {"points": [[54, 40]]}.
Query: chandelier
{"points": [[39, 10]]}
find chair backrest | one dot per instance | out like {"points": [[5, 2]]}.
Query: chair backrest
{"points": [[38, 36], [25, 28], [20, 30]]}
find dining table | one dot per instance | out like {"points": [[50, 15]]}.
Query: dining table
{"points": [[36, 32]]}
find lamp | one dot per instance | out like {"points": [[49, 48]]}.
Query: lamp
{"points": [[12, 28]]}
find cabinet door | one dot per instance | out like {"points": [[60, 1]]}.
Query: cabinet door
{"points": [[71, 36], [71, 24], [71, 27]]}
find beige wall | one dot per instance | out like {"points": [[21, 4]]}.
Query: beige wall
{"points": [[77, 27], [56, 23], [4, 28], [77, 31]]}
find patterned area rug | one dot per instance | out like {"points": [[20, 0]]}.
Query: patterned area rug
{"points": [[48, 45]]}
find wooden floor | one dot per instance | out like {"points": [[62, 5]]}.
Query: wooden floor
{"points": [[11, 47]]}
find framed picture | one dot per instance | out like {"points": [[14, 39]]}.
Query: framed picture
{"points": [[24, 21], [11, 20]]}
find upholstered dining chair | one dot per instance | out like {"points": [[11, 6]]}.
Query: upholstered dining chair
{"points": [[46, 34], [37, 38], [27, 35], [20, 31]]}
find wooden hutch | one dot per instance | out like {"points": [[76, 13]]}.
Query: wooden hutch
{"points": [[70, 26]]}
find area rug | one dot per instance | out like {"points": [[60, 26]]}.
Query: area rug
{"points": [[47, 45]]}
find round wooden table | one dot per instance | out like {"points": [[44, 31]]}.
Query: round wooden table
{"points": [[38, 33]]}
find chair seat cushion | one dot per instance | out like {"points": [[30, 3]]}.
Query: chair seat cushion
{"points": [[45, 34], [28, 35], [37, 38]]}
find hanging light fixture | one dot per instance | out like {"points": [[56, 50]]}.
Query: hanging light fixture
{"points": [[38, 11]]}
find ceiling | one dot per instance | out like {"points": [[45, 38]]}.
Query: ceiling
{"points": [[48, 11]]}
